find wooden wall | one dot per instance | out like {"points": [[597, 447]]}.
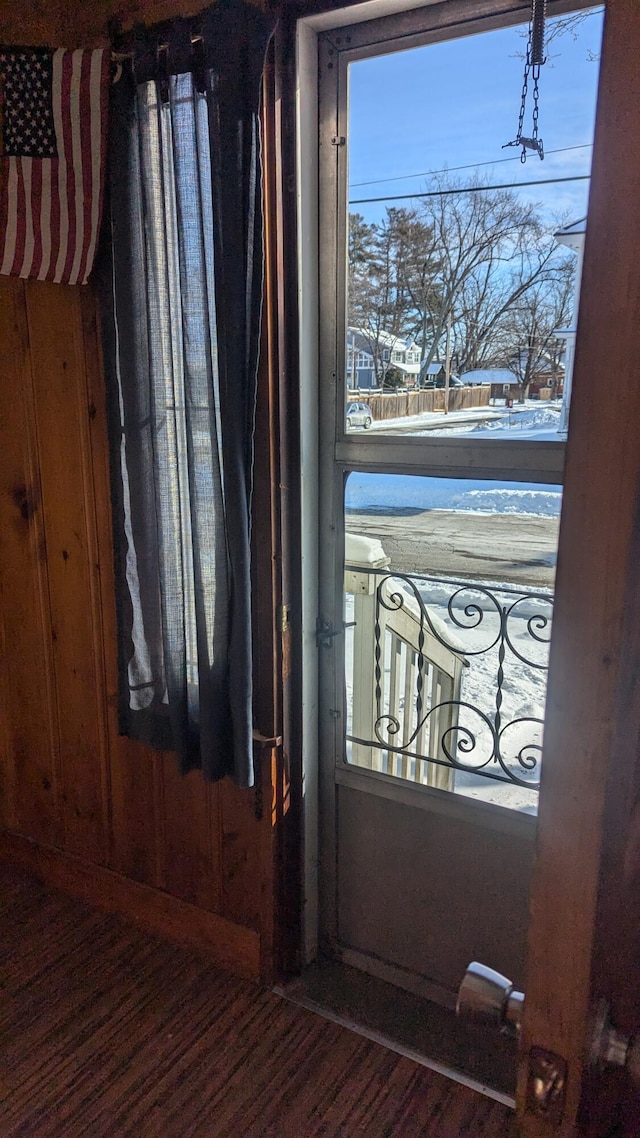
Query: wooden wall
{"points": [[68, 781]]}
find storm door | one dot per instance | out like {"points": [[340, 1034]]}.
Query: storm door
{"points": [[449, 291]]}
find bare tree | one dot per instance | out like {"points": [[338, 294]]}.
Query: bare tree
{"points": [[466, 255], [492, 248], [530, 347], [566, 25]]}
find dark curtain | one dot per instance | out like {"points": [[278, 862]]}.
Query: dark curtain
{"points": [[181, 286]]}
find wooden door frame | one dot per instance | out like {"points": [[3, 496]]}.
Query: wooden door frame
{"points": [[597, 655], [586, 804]]}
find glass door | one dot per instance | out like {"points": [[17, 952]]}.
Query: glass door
{"points": [[449, 291]]}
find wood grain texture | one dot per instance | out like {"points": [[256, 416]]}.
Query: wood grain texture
{"points": [[111, 1032], [230, 945], [190, 846], [68, 779], [64, 456], [591, 741], [6, 742], [31, 776], [42, 22]]}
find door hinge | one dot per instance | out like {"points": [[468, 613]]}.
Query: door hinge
{"points": [[338, 140], [284, 616]]}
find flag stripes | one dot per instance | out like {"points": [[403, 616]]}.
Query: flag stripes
{"points": [[50, 207]]}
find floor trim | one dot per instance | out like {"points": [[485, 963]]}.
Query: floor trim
{"points": [[230, 946], [393, 1045]]}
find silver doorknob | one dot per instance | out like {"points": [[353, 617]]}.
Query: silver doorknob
{"points": [[485, 996]]}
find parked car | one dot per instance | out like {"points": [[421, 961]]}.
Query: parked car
{"points": [[439, 383], [359, 415]]}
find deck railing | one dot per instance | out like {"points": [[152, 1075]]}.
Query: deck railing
{"points": [[444, 676]]}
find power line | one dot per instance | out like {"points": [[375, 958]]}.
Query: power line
{"points": [[468, 190], [471, 166]]}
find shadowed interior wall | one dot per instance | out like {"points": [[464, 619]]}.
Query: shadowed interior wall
{"points": [[67, 779]]}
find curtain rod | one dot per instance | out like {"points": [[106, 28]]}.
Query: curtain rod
{"points": [[122, 56]]}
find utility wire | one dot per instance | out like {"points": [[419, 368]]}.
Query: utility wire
{"points": [[468, 190], [471, 166]]}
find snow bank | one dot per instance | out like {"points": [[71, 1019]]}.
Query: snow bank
{"points": [[388, 493]]}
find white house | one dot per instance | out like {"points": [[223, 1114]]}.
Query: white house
{"points": [[573, 237], [365, 347], [405, 355]]}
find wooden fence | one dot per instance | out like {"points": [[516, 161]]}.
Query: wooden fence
{"points": [[395, 405]]}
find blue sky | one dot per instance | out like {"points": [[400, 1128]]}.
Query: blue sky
{"points": [[457, 102]]}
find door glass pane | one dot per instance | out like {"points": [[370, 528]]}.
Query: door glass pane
{"points": [[448, 604], [463, 278]]}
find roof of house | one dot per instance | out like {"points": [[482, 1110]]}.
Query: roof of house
{"points": [[389, 340], [409, 369], [572, 235], [573, 227], [359, 341], [489, 375], [385, 339]]}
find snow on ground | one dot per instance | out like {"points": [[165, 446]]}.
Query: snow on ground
{"points": [[384, 493], [524, 687], [523, 690], [387, 493], [530, 420]]}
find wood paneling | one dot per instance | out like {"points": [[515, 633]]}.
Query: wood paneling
{"points": [[229, 944], [64, 458], [190, 810], [40, 22], [593, 709], [68, 780], [31, 776]]}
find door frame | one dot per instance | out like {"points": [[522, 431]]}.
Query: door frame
{"points": [[336, 47], [604, 762], [584, 892]]}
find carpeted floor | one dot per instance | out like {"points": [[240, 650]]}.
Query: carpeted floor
{"points": [[111, 1033]]}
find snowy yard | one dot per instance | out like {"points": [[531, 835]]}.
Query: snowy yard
{"points": [[530, 420], [523, 689], [476, 624]]}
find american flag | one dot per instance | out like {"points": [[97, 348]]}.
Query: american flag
{"points": [[53, 108]]}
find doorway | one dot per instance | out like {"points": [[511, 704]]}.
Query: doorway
{"points": [[428, 803]]}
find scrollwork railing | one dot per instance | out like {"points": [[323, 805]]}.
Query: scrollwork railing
{"points": [[458, 678]]}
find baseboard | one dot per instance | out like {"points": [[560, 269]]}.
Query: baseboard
{"points": [[229, 945]]}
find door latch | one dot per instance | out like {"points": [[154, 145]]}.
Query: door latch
{"points": [[487, 996], [546, 1084], [613, 1048], [325, 631]]}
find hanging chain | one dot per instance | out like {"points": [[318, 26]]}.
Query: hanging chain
{"points": [[538, 143], [533, 62]]}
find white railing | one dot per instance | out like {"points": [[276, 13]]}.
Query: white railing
{"points": [[388, 670]]}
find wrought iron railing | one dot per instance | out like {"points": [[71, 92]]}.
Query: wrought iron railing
{"points": [[446, 676]]}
